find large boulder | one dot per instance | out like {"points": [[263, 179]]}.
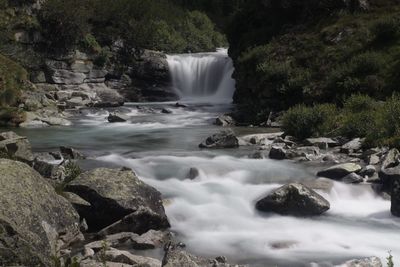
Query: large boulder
{"points": [[277, 152], [339, 171], [223, 139], [35, 222], [15, 147], [293, 199], [119, 201]]}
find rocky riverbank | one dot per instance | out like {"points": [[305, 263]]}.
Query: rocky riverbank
{"points": [[109, 216]]}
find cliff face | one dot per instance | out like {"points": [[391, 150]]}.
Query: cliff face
{"points": [[290, 52]]}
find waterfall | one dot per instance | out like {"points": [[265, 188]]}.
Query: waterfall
{"points": [[203, 76]]}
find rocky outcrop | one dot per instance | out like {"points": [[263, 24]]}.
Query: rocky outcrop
{"points": [[120, 202], [15, 147], [293, 199], [176, 256], [223, 139], [339, 171], [390, 170], [35, 222]]}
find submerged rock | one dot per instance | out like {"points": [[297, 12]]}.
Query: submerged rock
{"points": [[339, 171], [293, 199], [119, 201], [115, 117], [193, 173], [224, 139], [32, 217], [166, 111]]}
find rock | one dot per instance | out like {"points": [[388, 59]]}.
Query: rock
{"points": [[175, 256], [322, 184], [257, 155], [117, 118], [293, 199], [307, 152], [119, 201], [179, 105], [93, 263], [225, 120], [373, 159], [352, 178], [76, 102], [322, 142], [339, 171], [166, 111], [395, 198], [120, 256], [193, 173], [352, 146], [390, 169], [151, 240], [368, 171], [60, 76], [277, 152], [34, 220], [46, 165], [71, 153], [224, 139], [15, 147], [367, 262]]}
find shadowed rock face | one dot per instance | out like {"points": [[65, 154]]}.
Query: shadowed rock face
{"points": [[32, 216], [294, 199], [118, 200]]}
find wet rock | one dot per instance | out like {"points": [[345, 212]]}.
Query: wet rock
{"points": [[339, 171], [34, 220], [322, 142], [179, 105], [15, 147], [395, 197], [322, 184], [115, 117], [368, 171], [293, 199], [120, 202], [46, 165], [71, 153], [223, 139], [94, 263], [367, 262], [277, 152], [352, 178], [390, 169], [352, 146], [193, 173], [175, 256], [225, 120], [166, 111], [373, 159], [307, 152]]}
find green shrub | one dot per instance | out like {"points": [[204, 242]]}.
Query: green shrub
{"points": [[365, 64], [386, 29], [90, 44], [303, 122], [358, 116]]}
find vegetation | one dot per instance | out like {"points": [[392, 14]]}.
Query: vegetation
{"points": [[360, 116], [389, 259], [312, 52], [139, 24], [72, 171]]}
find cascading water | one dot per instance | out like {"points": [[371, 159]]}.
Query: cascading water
{"points": [[203, 76]]}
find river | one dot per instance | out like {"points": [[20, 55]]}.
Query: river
{"points": [[214, 214]]}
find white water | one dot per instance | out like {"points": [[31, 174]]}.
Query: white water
{"points": [[203, 76]]}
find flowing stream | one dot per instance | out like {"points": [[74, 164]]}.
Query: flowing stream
{"points": [[214, 214]]}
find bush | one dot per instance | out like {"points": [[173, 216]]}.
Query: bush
{"points": [[358, 116], [386, 29], [303, 122]]}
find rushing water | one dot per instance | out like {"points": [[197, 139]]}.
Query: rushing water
{"points": [[214, 214]]}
